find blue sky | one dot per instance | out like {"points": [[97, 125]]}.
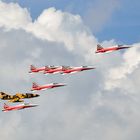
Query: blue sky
{"points": [[123, 25], [99, 104]]}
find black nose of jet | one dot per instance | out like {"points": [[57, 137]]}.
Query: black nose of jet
{"points": [[30, 95], [37, 95]]}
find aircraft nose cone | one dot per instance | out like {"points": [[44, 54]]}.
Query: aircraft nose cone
{"points": [[63, 85], [92, 68], [36, 95]]}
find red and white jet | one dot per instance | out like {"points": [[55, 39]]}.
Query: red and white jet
{"points": [[17, 107], [68, 69], [100, 49], [48, 86], [52, 69], [33, 69]]}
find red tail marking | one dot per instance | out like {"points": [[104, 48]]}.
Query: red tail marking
{"points": [[34, 85], [99, 47], [5, 106], [47, 68], [33, 67]]}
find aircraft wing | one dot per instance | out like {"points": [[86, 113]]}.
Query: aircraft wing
{"points": [[15, 100]]}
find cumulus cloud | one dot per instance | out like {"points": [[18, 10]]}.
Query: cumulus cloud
{"points": [[87, 108], [55, 25], [13, 16], [129, 65]]}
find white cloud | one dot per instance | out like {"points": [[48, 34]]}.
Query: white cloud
{"points": [[52, 25], [55, 25], [85, 108], [13, 16], [130, 63]]}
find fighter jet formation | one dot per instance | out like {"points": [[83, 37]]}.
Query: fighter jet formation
{"points": [[19, 97], [59, 69], [62, 70]]}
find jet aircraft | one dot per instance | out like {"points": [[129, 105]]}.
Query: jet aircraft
{"points": [[100, 49], [68, 69], [35, 86], [34, 69], [7, 108], [17, 97], [52, 69]]}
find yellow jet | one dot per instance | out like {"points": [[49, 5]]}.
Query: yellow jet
{"points": [[17, 97]]}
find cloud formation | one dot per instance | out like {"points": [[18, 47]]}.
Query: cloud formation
{"points": [[11, 18], [99, 104]]}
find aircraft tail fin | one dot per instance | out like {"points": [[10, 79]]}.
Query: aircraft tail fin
{"points": [[32, 67], [3, 94], [34, 85], [5, 106], [65, 67], [120, 45], [99, 47], [47, 68]]}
